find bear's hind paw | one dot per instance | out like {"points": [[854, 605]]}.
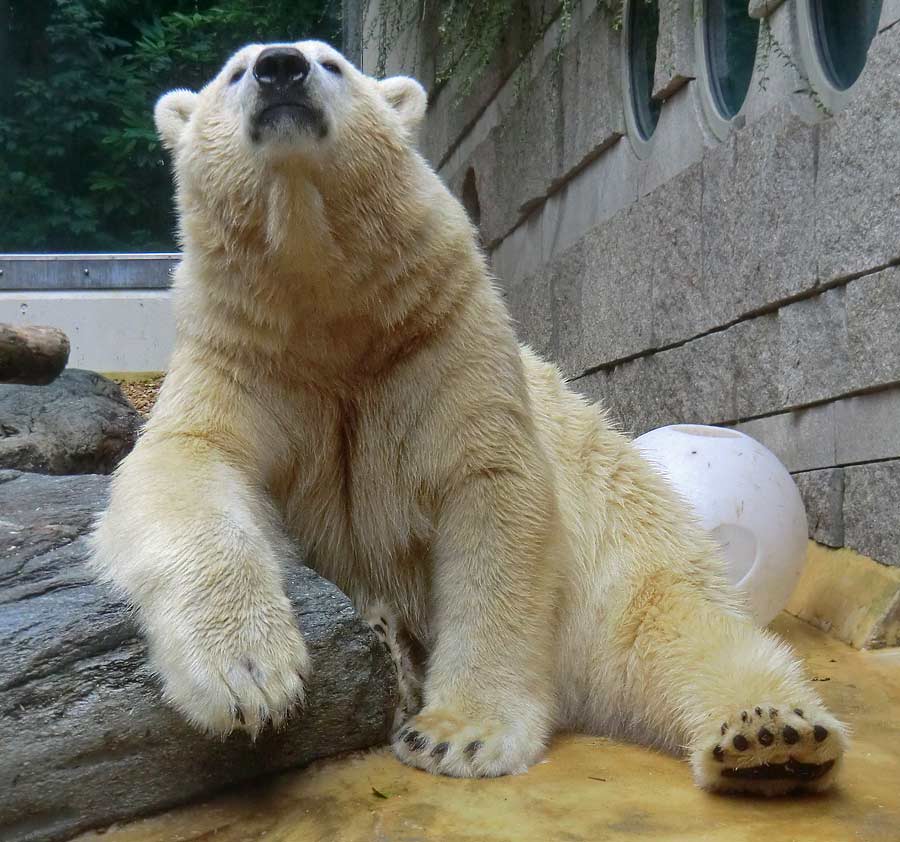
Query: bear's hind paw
{"points": [[771, 749]]}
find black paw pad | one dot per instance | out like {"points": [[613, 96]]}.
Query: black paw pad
{"points": [[790, 735], [471, 749], [765, 737], [740, 742], [820, 733], [440, 750]]}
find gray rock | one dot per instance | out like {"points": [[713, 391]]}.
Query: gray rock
{"points": [[871, 522], [85, 737], [79, 424], [823, 495]]}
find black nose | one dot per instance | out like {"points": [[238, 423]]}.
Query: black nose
{"points": [[280, 67]]}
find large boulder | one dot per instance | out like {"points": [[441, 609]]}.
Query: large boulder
{"points": [[81, 423], [84, 737]]}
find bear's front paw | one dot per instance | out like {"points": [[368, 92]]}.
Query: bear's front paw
{"points": [[771, 749], [446, 742], [224, 674]]}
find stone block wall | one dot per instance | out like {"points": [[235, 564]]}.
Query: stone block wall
{"points": [[748, 278]]}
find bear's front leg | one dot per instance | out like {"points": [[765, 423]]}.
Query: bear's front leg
{"points": [[191, 541], [489, 696]]}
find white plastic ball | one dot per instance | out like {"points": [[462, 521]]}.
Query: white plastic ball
{"points": [[745, 498]]}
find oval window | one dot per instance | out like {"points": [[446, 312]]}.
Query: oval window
{"points": [[643, 32], [844, 30], [731, 38]]}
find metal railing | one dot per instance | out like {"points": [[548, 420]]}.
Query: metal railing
{"points": [[57, 272]]}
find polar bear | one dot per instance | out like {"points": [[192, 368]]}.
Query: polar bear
{"points": [[346, 376]]}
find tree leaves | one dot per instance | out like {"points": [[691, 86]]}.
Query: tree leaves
{"points": [[78, 149]]}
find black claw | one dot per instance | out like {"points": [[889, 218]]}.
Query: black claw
{"points": [[743, 716], [765, 737], [383, 621], [240, 716], [790, 735], [471, 748], [419, 744], [440, 750], [411, 737], [724, 728], [758, 711], [773, 712], [798, 712], [740, 742], [820, 733], [402, 734], [379, 628], [718, 753]]}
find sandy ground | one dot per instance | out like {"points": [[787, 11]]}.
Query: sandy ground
{"points": [[142, 393], [586, 789]]}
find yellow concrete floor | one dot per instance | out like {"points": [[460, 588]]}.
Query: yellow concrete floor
{"points": [[586, 788]]}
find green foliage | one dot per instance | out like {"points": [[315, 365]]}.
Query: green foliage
{"points": [[79, 160]]}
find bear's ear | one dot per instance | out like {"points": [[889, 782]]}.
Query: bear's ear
{"points": [[171, 115], [408, 99]]}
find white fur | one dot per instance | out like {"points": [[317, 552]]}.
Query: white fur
{"points": [[346, 376]]}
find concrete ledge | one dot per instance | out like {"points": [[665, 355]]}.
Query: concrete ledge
{"points": [[109, 330], [850, 597]]}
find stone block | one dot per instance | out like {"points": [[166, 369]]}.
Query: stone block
{"points": [[803, 440], [530, 304], [592, 115], [454, 110], [763, 8], [689, 384], [873, 326], [823, 496], [857, 189], [868, 427], [812, 350], [871, 510], [560, 109], [759, 220], [674, 49]]}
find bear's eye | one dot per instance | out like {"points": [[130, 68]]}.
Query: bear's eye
{"points": [[331, 67], [237, 76]]}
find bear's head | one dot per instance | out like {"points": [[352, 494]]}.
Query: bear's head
{"points": [[292, 154]]}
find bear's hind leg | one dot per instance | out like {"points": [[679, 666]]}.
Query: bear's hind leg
{"points": [[733, 695]]}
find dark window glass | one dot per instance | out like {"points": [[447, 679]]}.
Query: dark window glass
{"points": [[731, 37], [844, 31], [643, 32]]}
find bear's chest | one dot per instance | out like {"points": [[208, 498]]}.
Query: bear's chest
{"points": [[356, 496]]}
